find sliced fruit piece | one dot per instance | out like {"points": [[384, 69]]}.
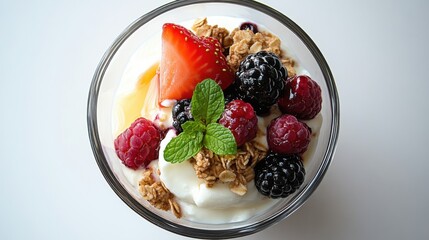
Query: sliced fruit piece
{"points": [[187, 60]]}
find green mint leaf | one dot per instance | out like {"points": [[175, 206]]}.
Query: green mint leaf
{"points": [[207, 107], [219, 139], [183, 147], [193, 126], [207, 102]]}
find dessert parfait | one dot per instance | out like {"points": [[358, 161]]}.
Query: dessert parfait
{"points": [[221, 125]]}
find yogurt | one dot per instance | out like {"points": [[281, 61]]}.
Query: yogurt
{"points": [[198, 201]]}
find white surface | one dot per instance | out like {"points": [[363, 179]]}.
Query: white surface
{"points": [[51, 187]]}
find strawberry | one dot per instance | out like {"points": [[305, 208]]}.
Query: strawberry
{"points": [[187, 60]]}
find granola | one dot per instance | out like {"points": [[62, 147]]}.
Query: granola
{"points": [[237, 170], [157, 194], [203, 29], [244, 42]]}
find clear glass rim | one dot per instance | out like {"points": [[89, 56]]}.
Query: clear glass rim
{"points": [[195, 232]]}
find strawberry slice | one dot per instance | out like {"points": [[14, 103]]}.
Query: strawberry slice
{"points": [[187, 60]]}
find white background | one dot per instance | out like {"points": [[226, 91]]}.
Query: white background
{"points": [[375, 188]]}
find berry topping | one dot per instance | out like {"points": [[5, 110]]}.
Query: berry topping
{"points": [[138, 145], [287, 135], [230, 94], [302, 98], [187, 60], [278, 176], [240, 118], [260, 80], [249, 26], [181, 113]]}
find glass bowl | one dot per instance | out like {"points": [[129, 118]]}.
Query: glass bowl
{"points": [[145, 33]]}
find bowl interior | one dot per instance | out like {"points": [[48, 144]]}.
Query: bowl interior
{"points": [[144, 36]]}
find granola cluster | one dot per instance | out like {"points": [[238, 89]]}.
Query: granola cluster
{"points": [[236, 170], [157, 194], [243, 42], [202, 29]]}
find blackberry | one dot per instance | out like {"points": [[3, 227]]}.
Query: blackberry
{"points": [[249, 26], [278, 176], [181, 113], [230, 94], [260, 80]]}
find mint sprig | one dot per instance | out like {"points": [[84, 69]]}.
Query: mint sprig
{"points": [[183, 147], [207, 103], [218, 139], [193, 126]]}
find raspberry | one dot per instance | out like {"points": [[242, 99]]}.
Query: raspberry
{"points": [[181, 113], [260, 80], [302, 98], [240, 118], [278, 176], [287, 135], [138, 145]]}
